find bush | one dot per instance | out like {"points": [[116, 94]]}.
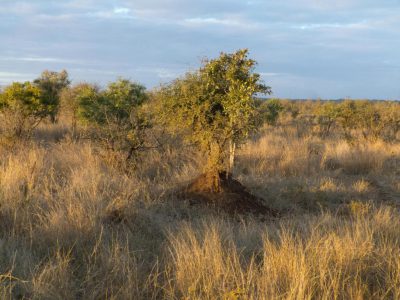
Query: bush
{"points": [[327, 114], [22, 108], [115, 112], [270, 111], [51, 84]]}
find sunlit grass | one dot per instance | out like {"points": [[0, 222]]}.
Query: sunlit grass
{"points": [[75, 225]]}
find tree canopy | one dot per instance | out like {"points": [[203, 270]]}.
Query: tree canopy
{"points": [[215, 104], [24, 103], [51, 84]]}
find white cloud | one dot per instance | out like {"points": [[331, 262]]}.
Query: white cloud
{"points": [[116, 13], [122, 10], [18, 8], [8, 77], [269, 74], [311, 26], [166, 73], [39, 59], [229, 22], [54, 18]]}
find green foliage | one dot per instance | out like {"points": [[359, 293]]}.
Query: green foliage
{"points": [[91, 104], [123, 97], [71, 100], [115, 111], [23, 97], [327, 113], [291, 107], [373, 120], [51, 84], [115, 105], [348, 117], [22, 107], [214, 105], [270, 110], [391, 119], [2, 100]]}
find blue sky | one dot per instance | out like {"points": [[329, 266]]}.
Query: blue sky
{"points": [[304, 48]]}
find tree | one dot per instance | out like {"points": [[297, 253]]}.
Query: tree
{"points": [[327, 114], [22, 107], [215, 106], [51, 84], [270, 110], [124, 120], [115, 111], [82, 103], [123, 97]]}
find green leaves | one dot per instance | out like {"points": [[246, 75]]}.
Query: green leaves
{"points": [[269, 111], [51, 84], [122, 97], [24, 98], [22, 107], [115, 111], [216, 103], [115, 104]]}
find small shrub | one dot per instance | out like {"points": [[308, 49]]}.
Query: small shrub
{"points": [[21, 108], [270, 110], [115, 113]]}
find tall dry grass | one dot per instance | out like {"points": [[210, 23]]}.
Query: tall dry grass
{"points": [[281, 152], [75, 225], [322, 257]]}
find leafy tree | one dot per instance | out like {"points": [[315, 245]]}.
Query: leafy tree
{"points": [[327, 114], [125, 121], [369, 120], [391, 119], [22, 107], [51, 84], [215, 106], [123, 97], [115, 111], [270, 110], [82, 103], [347, 117]]}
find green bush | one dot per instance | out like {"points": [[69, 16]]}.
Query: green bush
{"points": [[115, 112], [51, 84], [270, 111], [22, 108]]}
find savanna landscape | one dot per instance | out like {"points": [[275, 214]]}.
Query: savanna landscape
{"points": [[206, 187]]}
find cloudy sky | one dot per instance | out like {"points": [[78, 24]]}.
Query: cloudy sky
{"points": [[304, 48]]}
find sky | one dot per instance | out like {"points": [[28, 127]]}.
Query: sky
{"points": [[304, 48]]}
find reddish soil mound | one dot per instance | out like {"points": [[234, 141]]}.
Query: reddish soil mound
{"points": [[231, 196]]}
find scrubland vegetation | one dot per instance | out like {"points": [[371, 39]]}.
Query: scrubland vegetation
{"points": [[91, 202]]}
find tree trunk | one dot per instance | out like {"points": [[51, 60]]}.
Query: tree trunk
{"points": [[231, 162], [213, 168]]}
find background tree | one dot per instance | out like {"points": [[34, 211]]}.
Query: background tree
{"points": [[215, 106], [51, 84], [270, 110], [22, 108], [124, 119], [115, 111], [348, 118], [81, 103], [327, 114]]}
